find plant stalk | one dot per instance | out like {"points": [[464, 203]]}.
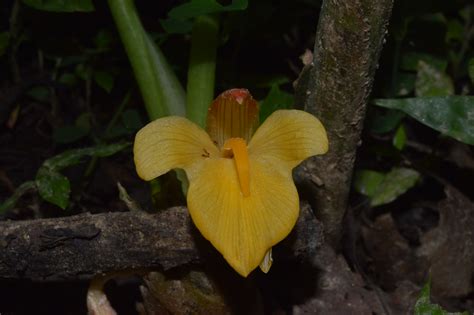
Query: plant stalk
{"points": [[160, 88], [202, 66]]}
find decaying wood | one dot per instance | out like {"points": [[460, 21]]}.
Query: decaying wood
{"points": [[348, 43], [84, 245], [79, 247]]}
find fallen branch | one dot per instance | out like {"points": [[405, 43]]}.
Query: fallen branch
{"points": [[79, 247], [84, 245]]}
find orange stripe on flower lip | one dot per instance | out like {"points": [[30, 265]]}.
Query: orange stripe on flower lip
{"points": [[237, 148]]}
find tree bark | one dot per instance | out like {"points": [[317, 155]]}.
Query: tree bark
{"points": [[84, 245], [349, 39], [79, 247]]}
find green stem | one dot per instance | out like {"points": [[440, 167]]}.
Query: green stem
{"points": [[395, 66], [20, 191], [93, 162], [202, 66], [162, 93], [117, 113]]}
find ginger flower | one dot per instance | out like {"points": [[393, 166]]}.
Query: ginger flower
{"points": [[241, 193]]}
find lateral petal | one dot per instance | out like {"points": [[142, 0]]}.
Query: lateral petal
{"points": [[289, 136], [170, 142], [242, 228]]}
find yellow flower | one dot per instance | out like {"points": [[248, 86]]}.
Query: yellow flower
{"points": [[241, 193]]}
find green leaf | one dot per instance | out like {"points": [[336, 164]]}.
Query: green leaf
{"points": [[4, 41], [53, 187], [276, 99], [470, 69], [68, 79], [83, 72], [394, 184], [400, 138], [69, 134], [183, 178], [178, 21], [434, 17], [39, 93], [196, 8], [384, 188], [72, 133], [105, 80], [68, 61], [455, 31], [175, 26], [19, 192], [405, 84], [432, 82], [410, 61], [103, 40], [450, 115], [268, 80], [84, 121], [61, 5], [366, 182], [117, 131], [424, 306], [131, 120], [382, 122], [466, 12]]}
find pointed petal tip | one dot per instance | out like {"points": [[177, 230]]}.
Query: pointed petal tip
{"points": [[241, 268], [245, 270]]}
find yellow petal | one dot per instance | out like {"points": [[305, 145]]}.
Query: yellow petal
{"points": [[242, 228], [170, 142], [289, 136]]}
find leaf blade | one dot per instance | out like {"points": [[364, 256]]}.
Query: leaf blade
{"points": [[450, 115], [53, 187], [395, 183], [61, 5]]}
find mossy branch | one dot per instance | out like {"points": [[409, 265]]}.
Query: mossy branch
{"points": [[348, 43]]}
